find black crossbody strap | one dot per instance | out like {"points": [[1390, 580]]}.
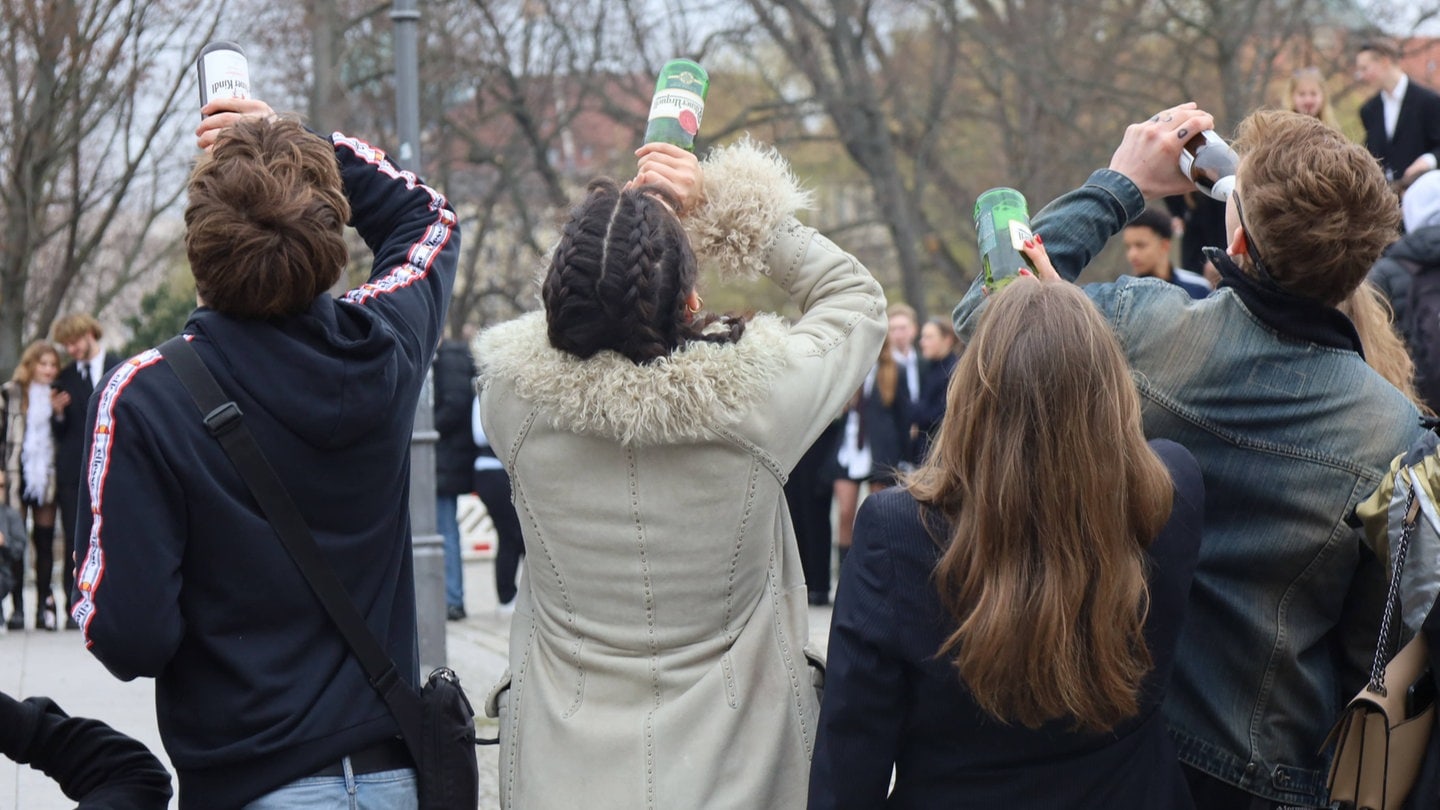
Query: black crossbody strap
{"points": [[226, 423]]}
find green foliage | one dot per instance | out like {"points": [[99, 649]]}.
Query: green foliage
{"points": [[163, 313]]}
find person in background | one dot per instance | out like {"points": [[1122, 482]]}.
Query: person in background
{"points": [[1385, 350], [809, 495], [80, 335], [875, 443], [904, 328], [29, 401], [492, 484], [1402, 119], [1418, 251], [1305, 93], [12, 550], [92, 763], [455, 451], [1005, 632], [658, 654], [941, 349], [1147, 249], [1199, 221], [1264, 382]]}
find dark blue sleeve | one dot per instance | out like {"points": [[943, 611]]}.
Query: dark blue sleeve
{"points": [[863, 711], [71, 418], [412, 230], [1076, 225], [91, 762], [1174, 555], [931, 408], [1187, 512], [130, 534]]}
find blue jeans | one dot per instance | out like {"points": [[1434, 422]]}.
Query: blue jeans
{"points": [[384, 790], [448, 525]]}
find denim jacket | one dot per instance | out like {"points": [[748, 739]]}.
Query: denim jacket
{"points": [[1290, 436]]}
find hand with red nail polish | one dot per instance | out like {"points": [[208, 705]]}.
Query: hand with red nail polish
{"points": [[1040, 260]]}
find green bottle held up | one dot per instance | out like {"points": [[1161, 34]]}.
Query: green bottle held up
{"points": [[1002, 224], [678, 105]]}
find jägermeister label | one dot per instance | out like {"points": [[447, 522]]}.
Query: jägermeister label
{"points": [[1002, 224], [678, 105]]}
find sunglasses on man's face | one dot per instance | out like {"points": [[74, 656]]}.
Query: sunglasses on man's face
{"points": [[1250, 248]]}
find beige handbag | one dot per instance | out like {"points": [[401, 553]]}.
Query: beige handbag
{"points": [[1381, 736]]}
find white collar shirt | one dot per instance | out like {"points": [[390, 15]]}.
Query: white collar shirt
{"points": [[95, 367], [1390, 102]]}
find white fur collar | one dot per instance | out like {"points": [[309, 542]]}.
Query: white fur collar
{"points": [[676, 398], [749, 191]]}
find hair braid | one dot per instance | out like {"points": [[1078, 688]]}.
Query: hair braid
{"points": [[650, 332], [575, 313]]}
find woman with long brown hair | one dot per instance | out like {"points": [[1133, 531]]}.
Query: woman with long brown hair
{"points": [[874, 442], [941, 348], [1005, 629], [27, 403]]}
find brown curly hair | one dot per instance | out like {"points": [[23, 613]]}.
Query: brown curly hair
{"points": [[1316, 206], [264, 225]]}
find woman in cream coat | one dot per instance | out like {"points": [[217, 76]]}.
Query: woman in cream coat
{"points": [[658, 649]]}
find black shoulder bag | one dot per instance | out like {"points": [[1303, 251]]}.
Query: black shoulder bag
{"points": [[437, 724]]}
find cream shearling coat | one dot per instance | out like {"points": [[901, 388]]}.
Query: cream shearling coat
{"points": [[657, 651]]}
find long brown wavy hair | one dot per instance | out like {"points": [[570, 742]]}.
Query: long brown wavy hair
{"points": [[1052, 496], [1385, 350]]}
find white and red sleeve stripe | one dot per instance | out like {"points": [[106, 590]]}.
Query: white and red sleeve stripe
{"points": [[422, 254], [92, 570]]}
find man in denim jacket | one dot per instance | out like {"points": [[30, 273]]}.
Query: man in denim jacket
{"points": [[1265, 382]]}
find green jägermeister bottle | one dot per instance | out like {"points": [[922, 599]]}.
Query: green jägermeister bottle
{"points": [[1002, 224], [678, 105]]}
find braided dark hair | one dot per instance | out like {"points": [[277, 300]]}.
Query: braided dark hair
{"points": [[620, 276]]}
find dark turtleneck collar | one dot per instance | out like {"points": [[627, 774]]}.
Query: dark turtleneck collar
{"points": [[1289, 314]]}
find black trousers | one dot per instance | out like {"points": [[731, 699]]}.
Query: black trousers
{"points": [[67, 501], [808, 494], [493, 487]]}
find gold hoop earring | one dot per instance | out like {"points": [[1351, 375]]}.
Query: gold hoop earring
{"points": [[699, 305]]}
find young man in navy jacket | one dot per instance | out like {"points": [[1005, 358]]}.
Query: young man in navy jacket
{"points": [[181, 576]]}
